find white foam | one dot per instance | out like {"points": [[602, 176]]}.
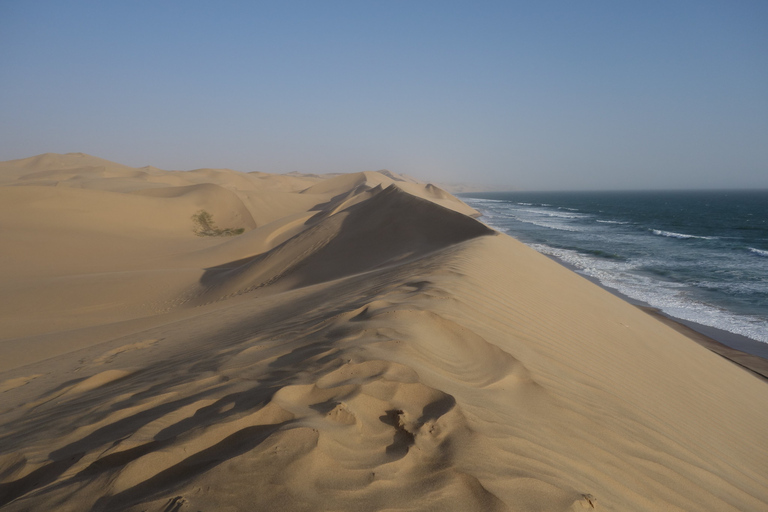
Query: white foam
{"points": [[669, 297], [611, 222], [479, 200], [563, 215], [538, 217], [736, 288], [548, 213], [492, 224], [547, 224], [594, 267], [489, 219], [682, 236]]}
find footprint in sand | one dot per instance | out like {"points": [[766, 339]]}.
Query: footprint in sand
{"points": [[174, 504]]}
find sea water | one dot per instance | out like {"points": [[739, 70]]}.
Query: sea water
{"points": [[697, 256]]}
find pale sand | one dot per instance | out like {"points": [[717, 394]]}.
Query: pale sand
{"points": [[359, 347]]}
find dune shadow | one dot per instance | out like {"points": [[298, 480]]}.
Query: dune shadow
{"points": [[40, 477], [240, 442], [403, 439]]}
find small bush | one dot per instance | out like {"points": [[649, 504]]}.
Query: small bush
{"points": [[203, 225]]}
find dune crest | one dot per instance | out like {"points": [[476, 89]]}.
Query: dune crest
{"points": [[386, 228], [365, 344]]}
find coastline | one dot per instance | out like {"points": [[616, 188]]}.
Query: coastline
{"points": [[364, 344], [671, 271], [754, 363], [746, 352]]}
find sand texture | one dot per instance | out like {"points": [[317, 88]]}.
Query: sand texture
{"points": [[364, 345]]}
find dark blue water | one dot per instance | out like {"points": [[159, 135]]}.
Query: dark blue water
{"points": [[698, 256]]}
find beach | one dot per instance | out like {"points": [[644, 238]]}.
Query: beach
{"points": [[695, 255], [217, 340]]}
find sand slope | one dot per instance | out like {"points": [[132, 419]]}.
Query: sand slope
{"points": [[386, 229], [366, 349]]}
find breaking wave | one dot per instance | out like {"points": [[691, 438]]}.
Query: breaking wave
{"points": [[681, 236]]}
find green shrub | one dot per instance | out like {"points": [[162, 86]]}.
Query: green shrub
{"points": [[203, 225]]}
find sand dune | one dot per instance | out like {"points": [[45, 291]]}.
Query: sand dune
{"points": [[389, 228], [364, 345]]}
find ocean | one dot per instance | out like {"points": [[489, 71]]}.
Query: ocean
{"points": [[698, 256]]}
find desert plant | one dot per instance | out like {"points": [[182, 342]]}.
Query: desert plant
{"points": [[203, 225]]}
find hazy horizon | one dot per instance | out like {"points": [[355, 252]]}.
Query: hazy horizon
{"points": [[553, 96]]}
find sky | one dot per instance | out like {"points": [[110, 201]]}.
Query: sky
{"points": [[544, 95]]}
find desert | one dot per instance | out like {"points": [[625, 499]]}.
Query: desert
{"points": [[217, 340]]}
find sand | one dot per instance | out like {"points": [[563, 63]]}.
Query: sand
{"points": [[365, 344]]}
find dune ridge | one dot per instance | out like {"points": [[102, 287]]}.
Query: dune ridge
{"points": [[369, 346]]}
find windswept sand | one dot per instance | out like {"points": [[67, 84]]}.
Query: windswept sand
{"points": [[364, 345]]}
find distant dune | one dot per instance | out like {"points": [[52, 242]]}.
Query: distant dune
{"points": [[365, 344]]}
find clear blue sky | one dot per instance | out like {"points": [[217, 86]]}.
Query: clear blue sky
{"points": [[539, 95]]}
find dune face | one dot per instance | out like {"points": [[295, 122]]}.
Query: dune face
{"points": [[364, 345]]}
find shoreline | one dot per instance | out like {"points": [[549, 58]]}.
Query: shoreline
{"points": [[725, 337], [746, 352], [754, 363], [365, 343]]}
